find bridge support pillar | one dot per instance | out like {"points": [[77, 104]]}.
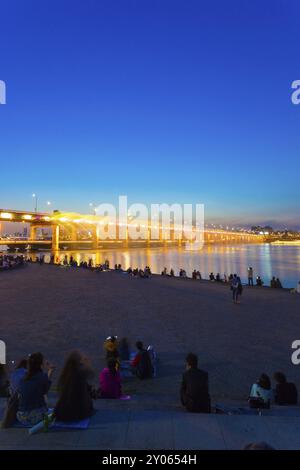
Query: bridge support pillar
{"points": [[73, 233], [95, 238], [55, 237], [32, 233]]}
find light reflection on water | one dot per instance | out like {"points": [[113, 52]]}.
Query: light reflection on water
{"points": [[266, 260]]}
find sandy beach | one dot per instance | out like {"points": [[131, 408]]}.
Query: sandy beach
{"points": [[54, 309]]}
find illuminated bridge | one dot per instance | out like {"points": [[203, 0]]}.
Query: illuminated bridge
{"points": [[73, 230]]}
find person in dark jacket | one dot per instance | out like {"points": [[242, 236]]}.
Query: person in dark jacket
{"points": [[285, 392], [194, 387], [75, 402], [141, 365]]}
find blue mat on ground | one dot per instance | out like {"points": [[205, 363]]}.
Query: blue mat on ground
{"points": [[83, 424]]}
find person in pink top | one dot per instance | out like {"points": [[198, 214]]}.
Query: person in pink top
{"points": [[110, 380]]}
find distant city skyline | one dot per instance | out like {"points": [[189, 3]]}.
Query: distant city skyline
{"points": [[169, 101]]}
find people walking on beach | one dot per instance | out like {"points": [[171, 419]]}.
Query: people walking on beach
{"points": [[250, 276], [75, 402], [211, 277], [141, 365], [33, 389], [110, 380], [194, 391], [237, 288], [285, 392]]}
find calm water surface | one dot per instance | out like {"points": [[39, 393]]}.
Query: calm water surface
{"points": [[266, 260]]}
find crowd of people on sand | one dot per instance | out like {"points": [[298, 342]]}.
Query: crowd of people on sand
{"points": [[11, 261], [26, 386], [146, 272]]}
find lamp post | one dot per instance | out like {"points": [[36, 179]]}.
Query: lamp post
{"points": [[34, 195], [93, 208]]}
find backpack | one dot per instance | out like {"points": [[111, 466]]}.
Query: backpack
{"points": [[144, 368]]}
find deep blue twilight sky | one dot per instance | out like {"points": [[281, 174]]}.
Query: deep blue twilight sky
{"points": [[162, 100]]}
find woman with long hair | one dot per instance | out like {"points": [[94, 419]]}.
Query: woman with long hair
{"points": [[32, 390], [75, 402], [110, 380]]}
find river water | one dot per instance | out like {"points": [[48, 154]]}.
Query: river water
{"points": [[267, 260]]}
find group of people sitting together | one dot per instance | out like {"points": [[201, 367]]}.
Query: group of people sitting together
{"points": [[195, 390], [26, 387], [136, 272], [275, 283], [262, 395], [11, 261]]}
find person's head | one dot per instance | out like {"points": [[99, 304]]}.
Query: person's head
{"points": [[264, 382], [139, 345], [191, 361], [22, 364], [112, 339], [34, 364], [280, 378], [258, 446], [112, 365]]}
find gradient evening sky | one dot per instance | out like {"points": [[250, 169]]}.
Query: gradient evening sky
{"points": [[165, 101]]}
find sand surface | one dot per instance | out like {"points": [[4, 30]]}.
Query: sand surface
{"points": [[54, 310]]}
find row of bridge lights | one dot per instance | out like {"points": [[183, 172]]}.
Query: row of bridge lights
{"points": [[28, 217], [25, 217], [6, 215]]}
